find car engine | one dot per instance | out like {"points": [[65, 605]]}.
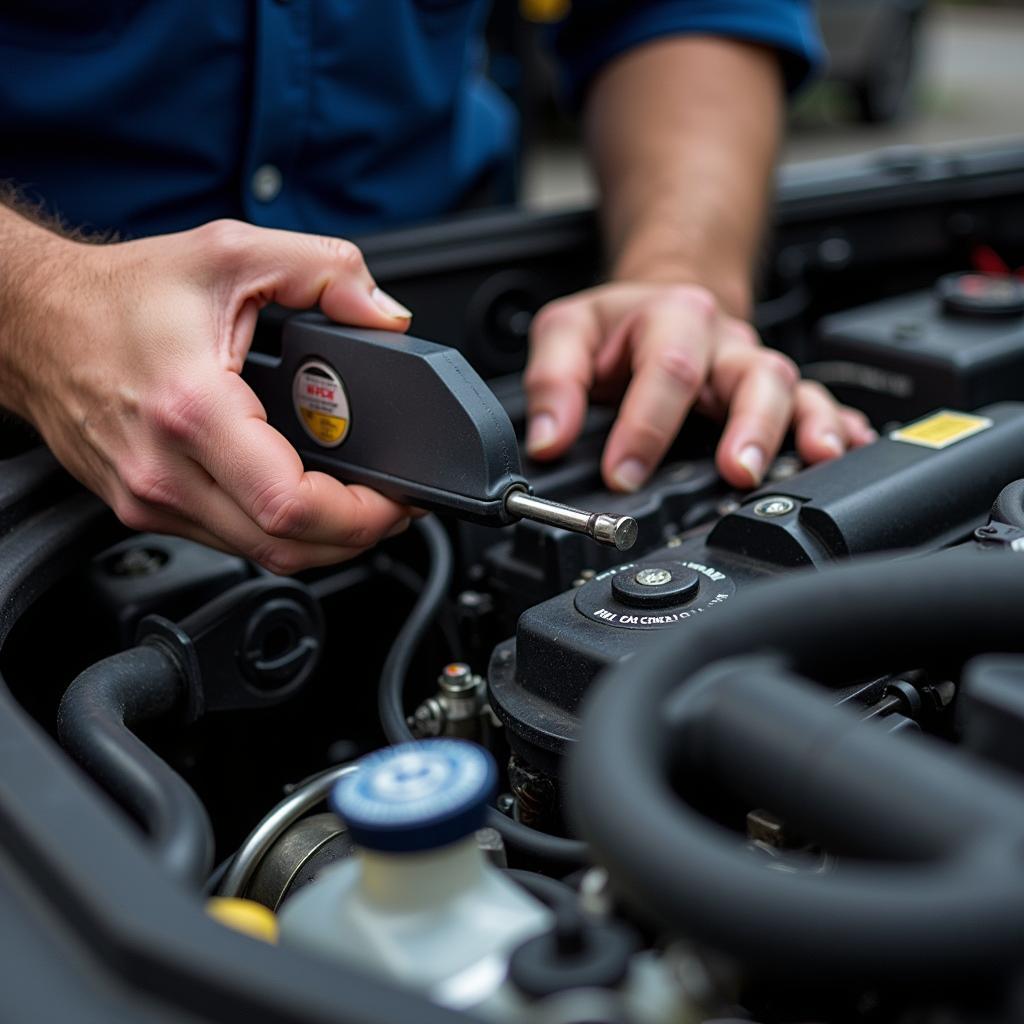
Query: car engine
{"points": [[763, 767]]}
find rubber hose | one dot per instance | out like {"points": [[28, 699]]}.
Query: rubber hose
{"points": [[391, 694], [1009, 505], [958, 911], [94, 725]]}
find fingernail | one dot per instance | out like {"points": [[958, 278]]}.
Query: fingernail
{"points": [[400, 527], [541, 433], [834, 443], [752, 460], [389, 306], [870, 436], [629, 474]]}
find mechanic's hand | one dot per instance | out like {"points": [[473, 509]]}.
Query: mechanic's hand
{"points": [[672, 349], [136, 388]]}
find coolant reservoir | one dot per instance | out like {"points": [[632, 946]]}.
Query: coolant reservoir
{"points": [[419, 903]]}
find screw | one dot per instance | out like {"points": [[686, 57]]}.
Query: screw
{"points": [[505, 803], [773, 507], [653, 577]]}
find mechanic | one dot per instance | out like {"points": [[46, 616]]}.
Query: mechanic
{"points": [[209, 135]]}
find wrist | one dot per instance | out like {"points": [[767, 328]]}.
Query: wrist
{"points": [[728, 279]]}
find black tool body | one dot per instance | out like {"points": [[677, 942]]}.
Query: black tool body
{"points": [[407, 417]]}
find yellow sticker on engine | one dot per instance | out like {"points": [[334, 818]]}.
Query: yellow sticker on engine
{"points": [[941, 429], [321, 403]]}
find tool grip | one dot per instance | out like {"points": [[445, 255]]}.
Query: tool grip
{"points": [[407, 417]]}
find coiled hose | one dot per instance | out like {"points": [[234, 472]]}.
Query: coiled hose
{"points": [[728, 700], [392, 690]]}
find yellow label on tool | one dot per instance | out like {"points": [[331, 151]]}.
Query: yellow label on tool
{"points": [[941, 429], [326, 429], [321, 403]]}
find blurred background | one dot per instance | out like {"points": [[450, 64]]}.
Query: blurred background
{"points": [[901, 72]]}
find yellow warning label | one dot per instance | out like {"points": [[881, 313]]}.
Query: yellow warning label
{"points": [[941, 429], [326, 429], [321, 403]]}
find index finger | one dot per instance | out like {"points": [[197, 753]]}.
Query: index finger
{"points": [[672, 341], [563, 339], [263, 474]]}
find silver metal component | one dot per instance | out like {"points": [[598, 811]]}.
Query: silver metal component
{"points": [[616, 531], [318, 836], [596, 892], [459, 708], [653, 577], [303, 798], [490, 841], [427, 720], [774, 506]]}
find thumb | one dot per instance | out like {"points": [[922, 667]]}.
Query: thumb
{"points": [[302, 271]]}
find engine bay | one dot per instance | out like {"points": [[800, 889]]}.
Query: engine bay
{"points": [[763, 767]]}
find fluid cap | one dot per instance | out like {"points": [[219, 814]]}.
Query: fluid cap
{"points": [[417, 796]]}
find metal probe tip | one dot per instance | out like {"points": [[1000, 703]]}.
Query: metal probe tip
{"points": [[615, 531]]}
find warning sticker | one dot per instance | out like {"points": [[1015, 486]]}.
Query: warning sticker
{"points": [[321, 403], [941, 429]]}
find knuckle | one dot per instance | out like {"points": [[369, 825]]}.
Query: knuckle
{"points": [[183, 413], [694, 298], [555, 316], [742, 333], [775, 362], [359, 535], [280, 512], [677, 363], [225, 237], [280, 559], [133, 514], [347, 254], [151, 486]]}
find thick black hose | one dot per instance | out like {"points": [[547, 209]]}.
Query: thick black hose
{"points": [[1009, 505], [550, 891], [94, 726], [391, 702], [958, 907]]}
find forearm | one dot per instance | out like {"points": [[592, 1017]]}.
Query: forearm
{"points": [[684, 133], [33, 269]]}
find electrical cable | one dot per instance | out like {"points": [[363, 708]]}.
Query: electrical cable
{"points": [[390, 698]]}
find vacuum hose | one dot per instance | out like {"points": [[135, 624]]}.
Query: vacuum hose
{"points": [[94, 726]]}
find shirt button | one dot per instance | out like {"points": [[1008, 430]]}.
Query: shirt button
{"points": [[266, 183]]}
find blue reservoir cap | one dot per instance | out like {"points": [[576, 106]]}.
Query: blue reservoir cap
{"points": [[416, 796]]}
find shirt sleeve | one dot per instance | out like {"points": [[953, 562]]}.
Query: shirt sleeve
{"points": [[595, 31]]}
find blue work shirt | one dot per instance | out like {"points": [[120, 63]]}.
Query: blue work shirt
{"points": [[334, 116]]}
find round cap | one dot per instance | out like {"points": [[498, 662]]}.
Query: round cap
{"points": [[981, 295], [416, 796], [656, 586]]}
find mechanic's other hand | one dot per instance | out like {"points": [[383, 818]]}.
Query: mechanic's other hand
{"points": [[671, 349], [135, 386]]}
